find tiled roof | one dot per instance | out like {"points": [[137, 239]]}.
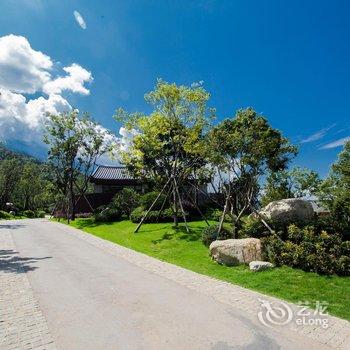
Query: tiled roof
{"points": [[111, 173]]}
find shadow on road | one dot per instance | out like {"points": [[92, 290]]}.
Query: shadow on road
{"points": [[11, 262], [11, 227]]}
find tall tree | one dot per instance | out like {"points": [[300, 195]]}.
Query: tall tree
{"points": [[10, 174], [169, 142], [242, 149], [75, 144], [334, 192]]}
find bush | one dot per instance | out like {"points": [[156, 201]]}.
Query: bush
{"points": [[253, 227], [5, 215], [310, 250], [29, 214], [107, 214], [40, 214], [152, 217], [147, 199], [215, 215], [126, 201], [211, 234]]}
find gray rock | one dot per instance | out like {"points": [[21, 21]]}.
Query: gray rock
{"points": [[231, 252], [289, 211], [260, 265]]}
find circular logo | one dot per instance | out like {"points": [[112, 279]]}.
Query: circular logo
{"points": [[274, 313]]}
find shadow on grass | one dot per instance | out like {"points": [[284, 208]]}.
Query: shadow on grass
{"points": [[181, 233]]}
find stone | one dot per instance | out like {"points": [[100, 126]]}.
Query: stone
{"points": [[260, 265], [231, 252], [291, 210]]}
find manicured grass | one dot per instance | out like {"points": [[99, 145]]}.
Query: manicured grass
{"points": [[186, 250]]}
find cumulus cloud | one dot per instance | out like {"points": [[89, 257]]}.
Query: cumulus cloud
{"points": [[22, 69], [75, 79], [317, 135], [336, 143], [126, 138], [80, 20], [25, 71]]}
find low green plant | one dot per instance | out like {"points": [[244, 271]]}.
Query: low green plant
{"points": [[29, 214], [40, 214], [5, 215], [153, 216], [126, 201], [211, 234], [309, 250], [147, 199], [107, 214]]}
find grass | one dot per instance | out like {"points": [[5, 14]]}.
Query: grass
{"points": [[186, 250]]}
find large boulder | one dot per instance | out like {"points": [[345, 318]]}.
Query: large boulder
{"points": [[231, 252], [289, 211]]}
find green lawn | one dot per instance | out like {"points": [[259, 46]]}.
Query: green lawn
{"points": [[187, 250]]}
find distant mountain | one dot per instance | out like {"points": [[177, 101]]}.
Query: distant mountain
{"points": [[7, 153]]}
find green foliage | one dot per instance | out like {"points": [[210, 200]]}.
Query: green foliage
{"points": [[334, 192], [309, 250], [40, 214], [147, 199], [153, 216], [245, 147], [290, 184], [126, 201], [253, 227], [107, 214], [211, 234], [5, 215], [29, 214], [75, 143]]}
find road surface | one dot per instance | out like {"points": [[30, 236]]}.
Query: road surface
{"points": [[92, 299]]}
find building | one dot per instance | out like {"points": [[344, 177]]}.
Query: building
{"points": [[112, 179]]}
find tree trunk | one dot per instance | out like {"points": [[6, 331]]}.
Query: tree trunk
{"points": [[176, 209]]}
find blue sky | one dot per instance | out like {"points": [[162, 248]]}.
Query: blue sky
{"points": [[288, 60]]}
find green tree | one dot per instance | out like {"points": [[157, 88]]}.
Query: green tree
{"points": [[334, 191], [169, 142], [295, 183], [242, 149], [10, 174], [75, 144]]}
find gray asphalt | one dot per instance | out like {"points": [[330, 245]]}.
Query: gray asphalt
{"points": [[93, 300]]}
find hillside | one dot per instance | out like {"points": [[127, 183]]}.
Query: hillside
{"points": [[6, 153]]}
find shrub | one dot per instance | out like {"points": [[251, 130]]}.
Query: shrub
{"points": [[211, 234], [40, 214], [126, 201], [215, 215], [29, 214], [107, 214], [309, 250], [5, 215], [253, 227], [152, 217], [147, 199]]}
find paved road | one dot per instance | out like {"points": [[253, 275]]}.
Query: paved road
{"points": [[94, 300]]}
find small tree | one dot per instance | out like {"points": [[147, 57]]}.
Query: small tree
{"points": [[75, 144], [169, 142], [242, 149]]}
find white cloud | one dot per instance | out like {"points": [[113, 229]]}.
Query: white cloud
{"points": [[22, 69], [74, 81], [126, 139], [336, 143], [80, 20], [23, 120], [317, 135]]}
